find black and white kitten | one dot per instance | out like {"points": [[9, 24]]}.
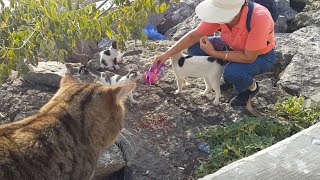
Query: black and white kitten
{"points": [[110, 58], [109, 78]]}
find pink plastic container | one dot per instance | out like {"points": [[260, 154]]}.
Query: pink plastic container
{"points": [[154, 74]]}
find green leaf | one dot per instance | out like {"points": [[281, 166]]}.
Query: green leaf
{"points": [[42, 2], [163, 7]]}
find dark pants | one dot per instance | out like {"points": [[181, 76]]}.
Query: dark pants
{"points": [[241, 74]]}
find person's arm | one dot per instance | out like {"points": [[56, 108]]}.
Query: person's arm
{"points": [[244, 56], [185, 42]]}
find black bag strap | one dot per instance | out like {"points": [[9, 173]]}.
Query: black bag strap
{"points": [[250, 10]]}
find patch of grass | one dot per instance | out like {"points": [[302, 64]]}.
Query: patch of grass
{"points": [[232, 141]]}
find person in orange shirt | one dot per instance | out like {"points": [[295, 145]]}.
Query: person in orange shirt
{"points": [[252, 44]]}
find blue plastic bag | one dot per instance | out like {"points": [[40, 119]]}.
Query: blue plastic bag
{"points": [[204, 147], [152, 33]]}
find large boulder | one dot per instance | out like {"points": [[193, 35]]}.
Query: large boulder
{"points": [[285, 9], [309, 16], [183, 28], [46, 73], [177, 13], [301, 76]]}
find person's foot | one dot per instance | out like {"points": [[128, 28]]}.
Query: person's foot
{"points": [[255, 92], [242, 98]]}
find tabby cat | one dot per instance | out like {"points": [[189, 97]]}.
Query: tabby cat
{"points": [[64, 139]]}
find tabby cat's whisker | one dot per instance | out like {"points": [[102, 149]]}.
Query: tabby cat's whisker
{"points": [[129, 134], [129, 143]]}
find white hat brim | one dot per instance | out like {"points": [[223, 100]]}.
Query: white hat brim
{"points": [[207, 12]]}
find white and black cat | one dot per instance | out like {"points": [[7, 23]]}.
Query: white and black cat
{"points": [[199, 66], [109, 78], [110, 58]]}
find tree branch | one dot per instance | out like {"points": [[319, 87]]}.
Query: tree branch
{"points": [[102, 4], [24, 42], [83, 55], [106, 10]]}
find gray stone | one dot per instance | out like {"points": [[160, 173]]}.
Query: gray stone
{"points": [[281, 25], [174, 15], [298, 5], [284, 52], [312, 102], [301, 76], [183, 28], [46, 73], [285, 9], [310, 14], [110, 161]]}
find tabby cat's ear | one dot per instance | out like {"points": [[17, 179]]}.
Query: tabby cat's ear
{"points": [[121, 91], [67, 80]]}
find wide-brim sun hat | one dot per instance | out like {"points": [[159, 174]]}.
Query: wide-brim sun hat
{"points": [[217, 11]]}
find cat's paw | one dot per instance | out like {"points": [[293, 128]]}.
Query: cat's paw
{"points": [[134, 102], [186, 83], [216, 102], [204, 93], [177, 91], [110, 68]]}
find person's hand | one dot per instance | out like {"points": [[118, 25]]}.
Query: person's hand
{"points": [[160, 59], [206, 46]]}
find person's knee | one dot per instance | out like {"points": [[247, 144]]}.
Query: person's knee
{"points": [[230, 74]]}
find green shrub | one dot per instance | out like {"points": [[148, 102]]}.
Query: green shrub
{"points": [[291, 110]]}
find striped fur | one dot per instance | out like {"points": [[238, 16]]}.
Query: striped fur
{"points": [[64, 139]]}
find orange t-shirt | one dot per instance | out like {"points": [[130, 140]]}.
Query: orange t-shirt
{"points": [[261, 36]]}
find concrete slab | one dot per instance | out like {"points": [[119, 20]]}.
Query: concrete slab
{"points": [[295, 158]]}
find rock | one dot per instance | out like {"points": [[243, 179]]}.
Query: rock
{"points": [[312, 102], [176, 14], [155, 19], [285, 9], [298, 5], [304, 19], [301, 76], [309, 16], [83, 52], [46, 73], [110, 161], [281, 25], [183, 28], [284, 52]]}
